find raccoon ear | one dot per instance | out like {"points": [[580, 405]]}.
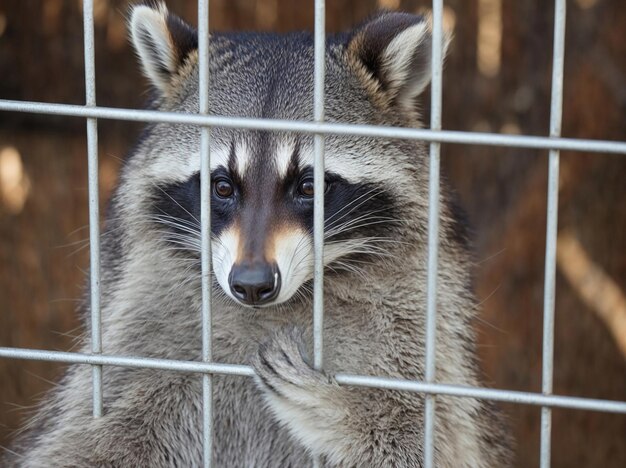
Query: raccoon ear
{"points": [[162, 41], [393, 52]]}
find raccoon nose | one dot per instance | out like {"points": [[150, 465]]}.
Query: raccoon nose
{"points": [[254, 283]]}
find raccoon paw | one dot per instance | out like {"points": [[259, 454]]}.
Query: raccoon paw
{"points": [[315, 409], [284, 374]]}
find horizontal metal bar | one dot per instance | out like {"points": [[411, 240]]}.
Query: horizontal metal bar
{"points": [[507, 396], [125, 361], [443, 136]]}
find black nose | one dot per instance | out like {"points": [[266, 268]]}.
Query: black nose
{"points": [[254, 283]]}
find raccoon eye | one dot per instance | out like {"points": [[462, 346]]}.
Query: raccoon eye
{"points": [[306, 188], [223, 188]]}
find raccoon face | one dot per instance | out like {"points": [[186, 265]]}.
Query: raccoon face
{"points": [[262, 219], [262, 182]]}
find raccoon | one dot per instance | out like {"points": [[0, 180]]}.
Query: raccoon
{"points": [[262, 192]]}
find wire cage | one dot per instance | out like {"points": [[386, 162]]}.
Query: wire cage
{"points": [[430, 387]]}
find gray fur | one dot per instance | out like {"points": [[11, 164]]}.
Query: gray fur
{"points": [[374, 319]]}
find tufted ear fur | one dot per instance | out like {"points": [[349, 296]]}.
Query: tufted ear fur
{"points": [[392, 52], [162, 41]]}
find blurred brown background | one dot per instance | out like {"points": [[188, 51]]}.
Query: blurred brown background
{"points": [[497, 79]]}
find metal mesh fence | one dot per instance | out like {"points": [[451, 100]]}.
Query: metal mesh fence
{"points": [[435, 136]]}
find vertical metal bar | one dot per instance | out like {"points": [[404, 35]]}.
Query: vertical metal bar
{"points": [[318, 177], [94, 208], [318, 213], [556, 108], [433, 231], [205, 229]]}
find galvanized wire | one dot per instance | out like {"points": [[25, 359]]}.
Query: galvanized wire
{"points": [[205, 231], [318, 176], [279, 125], [556, 110], [460, 391], [318, 182], [94, 205], [433, 231]]}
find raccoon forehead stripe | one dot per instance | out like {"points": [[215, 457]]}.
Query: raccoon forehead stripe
{"points": [[177, 165], [219, 157], [242, 156], [286, 153]]}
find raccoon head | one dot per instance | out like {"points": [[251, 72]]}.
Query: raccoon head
{"points": [[261, 181]]}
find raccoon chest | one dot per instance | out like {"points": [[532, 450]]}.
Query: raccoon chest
{"points": [[245, 433]]}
